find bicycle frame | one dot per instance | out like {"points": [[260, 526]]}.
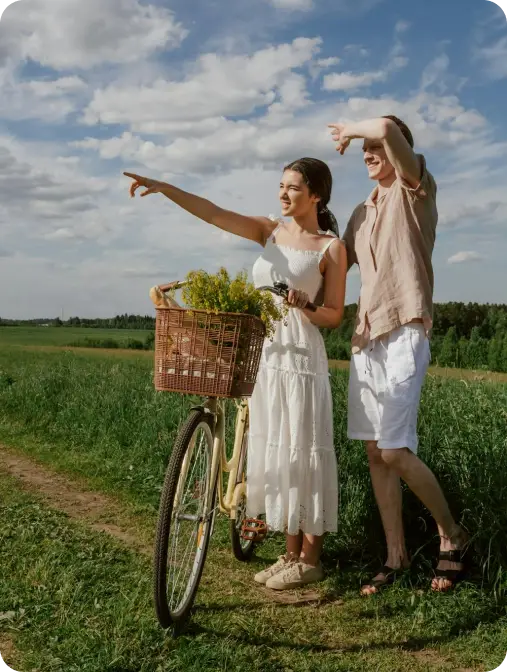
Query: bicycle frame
{"points": [[227, 500]]}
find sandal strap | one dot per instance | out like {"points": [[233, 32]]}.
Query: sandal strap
{"points": [[452, 556], [390, 575], [451, 574], [388, 571]]}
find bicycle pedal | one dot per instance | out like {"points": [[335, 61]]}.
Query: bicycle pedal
{"points": [[253, 529]]}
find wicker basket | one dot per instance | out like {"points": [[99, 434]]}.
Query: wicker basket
{"points": [[211, 355]]}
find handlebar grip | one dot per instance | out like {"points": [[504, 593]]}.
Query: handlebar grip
{"points": [[176, 284]]}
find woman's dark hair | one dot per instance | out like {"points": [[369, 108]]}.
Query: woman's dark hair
{"points": [[318, 178]]}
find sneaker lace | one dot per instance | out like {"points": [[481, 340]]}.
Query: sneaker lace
{"points": [[293, 566]]}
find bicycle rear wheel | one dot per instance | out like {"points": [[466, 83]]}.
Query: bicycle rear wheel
{"points": [[242, 548], [187, 509]]}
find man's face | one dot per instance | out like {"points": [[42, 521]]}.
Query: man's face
{"points": [[377, 163]]}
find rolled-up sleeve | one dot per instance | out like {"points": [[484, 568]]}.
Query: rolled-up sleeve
{"points": [[426, 187]]}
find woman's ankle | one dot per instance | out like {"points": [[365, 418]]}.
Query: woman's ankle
{"points": [[309, 560]]}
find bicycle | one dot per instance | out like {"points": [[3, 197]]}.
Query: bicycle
{"points": [[193, 489]]}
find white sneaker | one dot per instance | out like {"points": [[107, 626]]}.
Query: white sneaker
{"points": [[295, 575], [283, 562]]}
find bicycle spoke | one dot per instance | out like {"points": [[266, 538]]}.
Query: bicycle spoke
{"points": [[185, 545]]}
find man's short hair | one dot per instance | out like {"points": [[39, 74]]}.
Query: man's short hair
{"points": [[403, 128]]}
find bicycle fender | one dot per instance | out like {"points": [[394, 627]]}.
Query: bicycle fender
{"points": [[203, 409]]}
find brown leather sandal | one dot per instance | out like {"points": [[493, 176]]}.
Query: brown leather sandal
{"points": [[454, 576], [391, 576]]}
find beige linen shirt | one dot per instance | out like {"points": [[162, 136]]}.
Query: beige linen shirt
{"points": [[391, 238]]}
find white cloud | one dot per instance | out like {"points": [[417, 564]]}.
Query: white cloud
{"points": [[402, 26], [61, 234], [65, 34], [53, 194], [49, 198], [434, 71], [356, 50], [217, 86], [479, 210], [46, 88], [463, 257], [328, 62], [350, 81], [221, 125], [494, 58], [269, 140], [345, 81], [45, 100], [304, 5]]}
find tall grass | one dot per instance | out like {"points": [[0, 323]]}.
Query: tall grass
{"points": [[101, 418]]}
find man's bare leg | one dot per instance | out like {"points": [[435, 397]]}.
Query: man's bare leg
{"points": [[387, 489], [421, 480]]}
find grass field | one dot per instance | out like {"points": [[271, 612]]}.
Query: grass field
{"points": [[76, 600], [59, 336], [49, 339]]}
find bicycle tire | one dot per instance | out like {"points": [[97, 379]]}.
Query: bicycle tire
{"points": [[166, 615]]}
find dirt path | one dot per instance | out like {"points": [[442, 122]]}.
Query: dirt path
{"points": [[101, 512], [7, 651]]}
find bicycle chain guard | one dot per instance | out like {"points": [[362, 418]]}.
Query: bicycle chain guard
{"points": [[253, 529]]}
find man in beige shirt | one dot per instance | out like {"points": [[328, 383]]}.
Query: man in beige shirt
{"points": [[391, 237]]}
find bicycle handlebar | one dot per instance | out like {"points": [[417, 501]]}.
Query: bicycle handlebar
{"points": [[279, 288], [176, 284]]}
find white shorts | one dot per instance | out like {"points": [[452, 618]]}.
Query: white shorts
{"points": [[385, 388]]}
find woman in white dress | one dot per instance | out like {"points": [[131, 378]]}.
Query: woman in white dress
{"points": [[292, 472]]}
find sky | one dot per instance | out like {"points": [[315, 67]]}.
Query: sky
{"points": [[216, 96]]}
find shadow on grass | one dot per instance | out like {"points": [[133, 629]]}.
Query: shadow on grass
{"points": [[411, 645], [456, 614]]}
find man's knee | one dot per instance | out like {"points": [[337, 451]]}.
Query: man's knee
{"points": [[393, 457]]}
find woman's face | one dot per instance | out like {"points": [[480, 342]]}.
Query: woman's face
{"points": [[295, 197]]}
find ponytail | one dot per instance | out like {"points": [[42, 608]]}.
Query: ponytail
{"points": [[327, 221]]}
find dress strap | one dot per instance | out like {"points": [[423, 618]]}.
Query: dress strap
{"points": [[277, 228], [328, 245]]}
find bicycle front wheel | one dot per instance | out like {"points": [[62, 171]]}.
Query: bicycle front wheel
{"points": [[187, 509]]}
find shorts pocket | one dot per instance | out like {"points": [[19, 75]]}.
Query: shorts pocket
{"points": [[400, 361]]}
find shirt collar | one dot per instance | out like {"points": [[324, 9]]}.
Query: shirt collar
{"points": [[373, 200]]}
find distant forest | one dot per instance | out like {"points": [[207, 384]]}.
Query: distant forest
{"points": [[465, 336], [472, 335]]}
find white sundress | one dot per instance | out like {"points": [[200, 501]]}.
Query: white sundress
{"points": [[292, 473]]}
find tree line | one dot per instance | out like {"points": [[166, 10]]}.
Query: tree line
{"points": [[466, 336], [119, 322], [469, 335]]}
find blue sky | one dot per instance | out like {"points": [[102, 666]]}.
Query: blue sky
{"points": [[216, 96]]}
